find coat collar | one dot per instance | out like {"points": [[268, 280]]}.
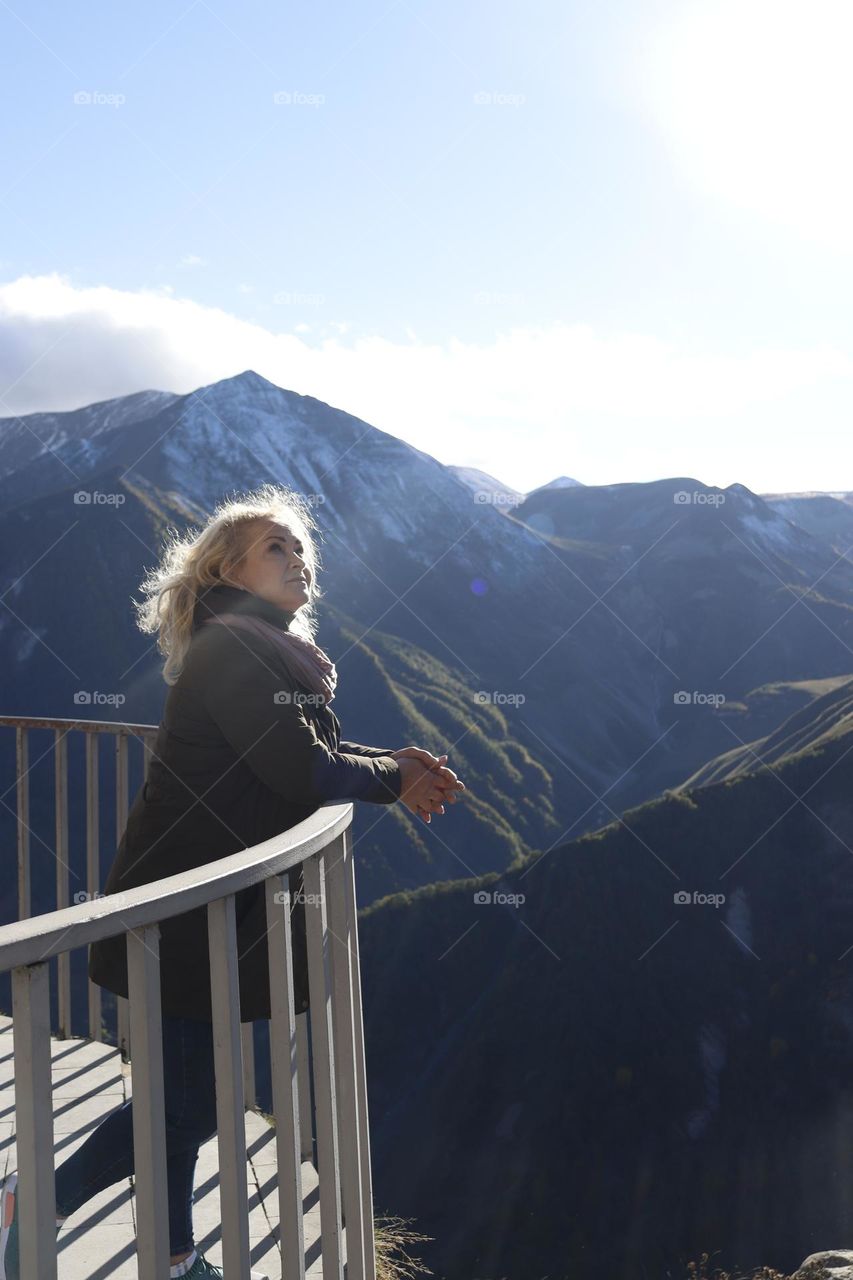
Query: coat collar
{"points": [[222, 598]]}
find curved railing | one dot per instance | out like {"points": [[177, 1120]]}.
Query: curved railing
{"points": [[322, 845]]}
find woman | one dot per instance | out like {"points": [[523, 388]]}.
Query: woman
{"points": [[248, 746]]}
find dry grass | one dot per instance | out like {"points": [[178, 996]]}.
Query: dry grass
{"points": [[390, 1236]]}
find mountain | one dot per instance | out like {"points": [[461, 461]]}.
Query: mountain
{"points": [[714, 594], [545, 647], [826, 716], [486, 488], [827, 515], [561, 482], [639, 1049]]}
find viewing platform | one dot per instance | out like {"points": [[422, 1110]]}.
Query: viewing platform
{"points": [[308, 1171], [99, 1240]]}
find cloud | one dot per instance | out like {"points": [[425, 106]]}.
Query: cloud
{"points": [[539, 401]]}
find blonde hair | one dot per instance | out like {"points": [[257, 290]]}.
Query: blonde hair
{"points": [[196, 560]]}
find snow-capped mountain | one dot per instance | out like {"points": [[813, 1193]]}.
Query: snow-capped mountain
{"points": [[541, 645]]}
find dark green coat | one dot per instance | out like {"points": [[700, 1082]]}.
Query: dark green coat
{"points": [[233, 765]]}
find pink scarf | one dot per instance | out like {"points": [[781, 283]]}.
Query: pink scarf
{"points": [[306, 662]]}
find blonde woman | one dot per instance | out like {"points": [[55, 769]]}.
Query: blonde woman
{"points": [[248, 746]]}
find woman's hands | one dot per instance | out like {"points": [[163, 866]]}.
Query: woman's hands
{"points": [[427, 782]]}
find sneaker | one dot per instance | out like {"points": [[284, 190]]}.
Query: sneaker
{"points": [[204, 1270], [10, 1263]]}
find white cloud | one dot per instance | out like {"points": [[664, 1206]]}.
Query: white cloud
{"points": [[535, 403]]}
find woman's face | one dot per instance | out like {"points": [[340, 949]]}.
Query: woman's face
{"points": [[274, 568]]}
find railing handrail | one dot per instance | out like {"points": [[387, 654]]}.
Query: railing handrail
{"points": [[39, 937], [91, 726]]}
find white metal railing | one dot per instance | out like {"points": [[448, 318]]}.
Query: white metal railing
{"points": [[322, 844]]}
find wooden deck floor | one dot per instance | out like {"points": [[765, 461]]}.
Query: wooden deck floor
{"points": [[89, 1080]]}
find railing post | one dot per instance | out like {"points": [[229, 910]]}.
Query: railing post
{"points": [[303, 1079], [247, 1036], [22, 769], [231, 1121], [93, 868], [123, 1028], [342, 950], [285, 1068], [36, 1198], [361, 1070], [323, 1052], [63, 960], [149, 1113]]}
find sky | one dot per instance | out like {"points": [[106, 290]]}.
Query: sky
{"points": [[610, 240]]}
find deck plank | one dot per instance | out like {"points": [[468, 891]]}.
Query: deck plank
{"points": [[98, 1242]]}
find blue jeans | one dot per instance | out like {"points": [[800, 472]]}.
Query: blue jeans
{"points": [[190, 1103]]}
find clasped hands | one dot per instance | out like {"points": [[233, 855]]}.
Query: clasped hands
{"points": [[427, 782]]}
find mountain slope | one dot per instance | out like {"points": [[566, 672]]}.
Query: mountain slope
{"points": [[616, 1081], [824, 718]]}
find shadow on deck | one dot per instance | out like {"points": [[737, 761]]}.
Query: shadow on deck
{"points": [[98, 1241]]}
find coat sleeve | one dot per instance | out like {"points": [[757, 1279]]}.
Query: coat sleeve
{"points": [[258, 709], [356, 749]]}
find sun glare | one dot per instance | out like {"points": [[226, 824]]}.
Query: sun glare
{"points": [[756, 99]]}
